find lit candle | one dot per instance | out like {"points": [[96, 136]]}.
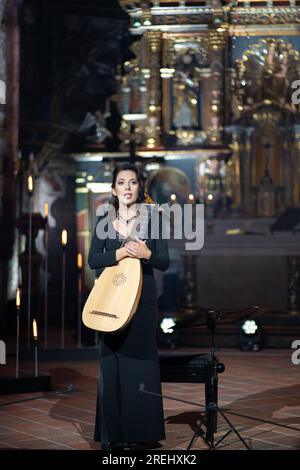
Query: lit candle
{"points": [[34, 329], [173, 197], [64, 237], [30, 183], [18, 298], [79, 261], [210, 197], [46, 209], [191, 197]]}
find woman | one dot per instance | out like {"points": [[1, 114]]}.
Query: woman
{"points": [[125, 417]]}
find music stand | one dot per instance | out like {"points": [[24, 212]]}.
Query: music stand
{"points": [[209, 420]]}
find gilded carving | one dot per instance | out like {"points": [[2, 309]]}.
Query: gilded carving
{"points": [[262, 77], [264, 16]]}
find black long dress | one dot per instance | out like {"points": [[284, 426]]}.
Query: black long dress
{"points": [[129, 358]]}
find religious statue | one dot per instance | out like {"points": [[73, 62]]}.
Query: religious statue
{"points": [[214, 187], [133, 86], [186, 92], [271, 82], [263, 75], [266, 197], [93, 128], [214, 178]]}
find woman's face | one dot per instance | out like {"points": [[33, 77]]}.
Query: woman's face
{"points": [[126, 187]]}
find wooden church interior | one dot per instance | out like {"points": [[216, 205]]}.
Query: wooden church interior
{"points": [[199, 95]]}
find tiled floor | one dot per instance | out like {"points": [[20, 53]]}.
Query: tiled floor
{"points": [[264, 385]]}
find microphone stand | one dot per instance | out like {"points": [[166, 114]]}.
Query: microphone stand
{"points": [[209, 420]]}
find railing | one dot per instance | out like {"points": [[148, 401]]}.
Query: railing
{"points": [[210, 3]]}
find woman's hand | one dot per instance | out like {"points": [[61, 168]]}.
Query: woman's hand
{"points": [[121, 253], [138, 249]]}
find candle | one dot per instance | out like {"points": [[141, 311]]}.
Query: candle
{"points": [[18, 298], [191, 197], [30, 183], [34, 329], [64, 237], [46, 209], [79, 261], [173, 197]]}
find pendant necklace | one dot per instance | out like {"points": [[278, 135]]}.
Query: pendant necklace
{"points": [[125, 221]]}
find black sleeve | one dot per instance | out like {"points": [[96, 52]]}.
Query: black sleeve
{"points": [[98, 257], [159, 258]]}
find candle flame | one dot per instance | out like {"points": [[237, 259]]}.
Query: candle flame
{"points": [[18, 297], [64, 237], [30, 183], [46, 209], [34, 329], [79, 261]]}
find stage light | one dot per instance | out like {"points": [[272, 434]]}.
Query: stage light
{"points": [[249, 327], [250, 336], [167, 333], [167, 325]]}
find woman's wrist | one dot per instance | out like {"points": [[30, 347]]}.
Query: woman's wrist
{"points": [[120, 253]]}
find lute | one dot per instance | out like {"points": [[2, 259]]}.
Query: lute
{"points": [[114, 298]]}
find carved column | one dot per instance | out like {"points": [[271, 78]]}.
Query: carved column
{"points": [[233, 170], [217, 44], [153, 129], [9, 148], [2, 99], [246, 160], [295, 182], [294, 285], [189, 284]]}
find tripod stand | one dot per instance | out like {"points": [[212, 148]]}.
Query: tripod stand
{"points": [[209, 420], [213, 368]]}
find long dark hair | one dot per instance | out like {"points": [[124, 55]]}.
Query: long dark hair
{"points": [[140, 177]]}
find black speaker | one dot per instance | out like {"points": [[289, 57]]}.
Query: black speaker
{"points": [[287, 221], [184, 367]]}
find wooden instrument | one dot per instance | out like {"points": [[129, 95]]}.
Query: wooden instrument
{"points": [[115, 296]]}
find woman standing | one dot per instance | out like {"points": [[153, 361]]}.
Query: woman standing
{"points": [[125, 417]]}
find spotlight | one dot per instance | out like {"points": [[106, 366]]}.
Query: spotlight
{"points": [[167, 334], [167, 325], [250, 336]]}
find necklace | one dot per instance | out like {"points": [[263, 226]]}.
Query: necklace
{"points": [[125, 221]]}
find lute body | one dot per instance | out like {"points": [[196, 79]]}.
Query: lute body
{"points": [[115, 296]]}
